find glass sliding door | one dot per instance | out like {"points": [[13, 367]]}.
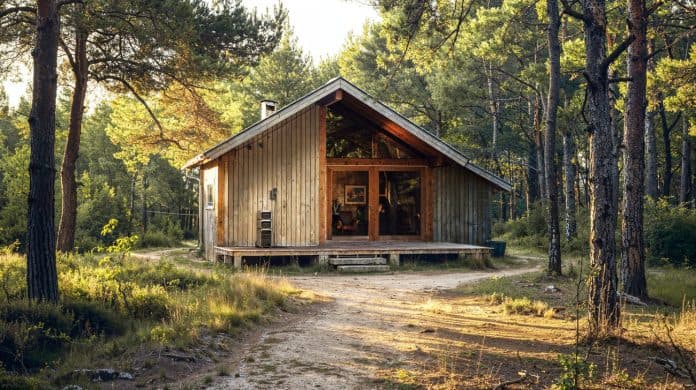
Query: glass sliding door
{"points": [[350, 204], [399, 203]]}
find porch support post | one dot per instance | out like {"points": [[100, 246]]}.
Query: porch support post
{"points": [[373, 204], [394, 259], [322, 259], [237, 261]]}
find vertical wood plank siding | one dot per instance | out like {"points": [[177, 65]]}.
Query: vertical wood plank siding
{"points": [[462, 206], [285, 157]]}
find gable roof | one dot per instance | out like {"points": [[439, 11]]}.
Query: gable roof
{"points": [[318, 94]]}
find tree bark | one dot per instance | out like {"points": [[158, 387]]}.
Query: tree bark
{"points": [[144, 202], [494, 107], [603, 307], [650, 156], [667, 142], [539, 147], [617, 138], [569, 184], [685, 177], [68, 217], [632, 243], [650, 140], [42, 276], [554, 266]]}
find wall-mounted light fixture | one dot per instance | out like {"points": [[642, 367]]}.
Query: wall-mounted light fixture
{"points": [[274, 194]]}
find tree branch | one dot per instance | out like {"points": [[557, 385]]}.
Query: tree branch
{"points": [[147, 107], [568, 10], [620, 79], [15, 10], [68, 54], [617, 51], [66, 2]]}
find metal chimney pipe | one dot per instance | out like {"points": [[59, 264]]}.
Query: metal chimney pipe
{"points": [[268, 107]]}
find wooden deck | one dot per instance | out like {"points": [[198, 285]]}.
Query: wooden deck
{"points": [[392, 249]]}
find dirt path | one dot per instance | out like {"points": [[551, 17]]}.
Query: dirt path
{"points": [[374, 323]]}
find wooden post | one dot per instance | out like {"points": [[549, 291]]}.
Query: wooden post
{"points": [[394, 259], [373, 204], [221, 209], [237, 261], [322, 259], [324, 202]]}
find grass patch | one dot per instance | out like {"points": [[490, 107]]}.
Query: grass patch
{"points": [[672, 285], [112, 305]]}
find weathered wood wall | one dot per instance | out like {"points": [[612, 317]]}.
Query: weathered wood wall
{"points": [[462, 206], [286, 157]]}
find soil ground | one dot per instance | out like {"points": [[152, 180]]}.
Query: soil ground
{"points": [[432, 329], [375, 328]]}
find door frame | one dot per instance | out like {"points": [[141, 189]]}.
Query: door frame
{"points": [[373, 167]]}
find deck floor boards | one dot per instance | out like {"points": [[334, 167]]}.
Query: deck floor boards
{"points": [[336, 248]]}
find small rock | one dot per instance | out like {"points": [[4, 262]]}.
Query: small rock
{"points": [[73, 387], [428, 330], [104, 374], [551, 289], [180, 358], [631, 299]]}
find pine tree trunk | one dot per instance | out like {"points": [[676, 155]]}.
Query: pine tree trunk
{"points": [[650, 156], [685, 177], [144, 203], [632, 245], [553, 222], [532, 177], [493, 106], [617, 138], [68, 217], [667, 142], [569, 169], [42, 277], [650, 140], [603, 307], [539, 148]]}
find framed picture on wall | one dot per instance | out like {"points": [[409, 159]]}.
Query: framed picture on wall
{"points": [[356, 194]]}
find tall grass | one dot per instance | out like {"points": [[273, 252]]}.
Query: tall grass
{"points": [[115, 298]]}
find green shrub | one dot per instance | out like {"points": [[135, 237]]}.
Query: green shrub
{"points": [[12, 275], [16, 382], [32, 334], [165, 274], [157, 238], [670, 233], [90, 318]]}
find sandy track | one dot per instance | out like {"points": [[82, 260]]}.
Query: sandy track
{"points": [[374, 322]]}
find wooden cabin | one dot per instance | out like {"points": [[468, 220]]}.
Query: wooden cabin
{"points": [[338, 172]]}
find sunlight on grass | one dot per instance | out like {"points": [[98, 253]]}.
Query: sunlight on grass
{"points": [[114, 304]]}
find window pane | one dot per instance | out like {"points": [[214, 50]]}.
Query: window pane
{"points": [[399, 203], [349, 203]]}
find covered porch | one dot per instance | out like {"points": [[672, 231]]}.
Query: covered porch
{"points": [[393, 250]]}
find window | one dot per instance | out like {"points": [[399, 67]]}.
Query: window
{"points": [[209, 198], [347, 137]]}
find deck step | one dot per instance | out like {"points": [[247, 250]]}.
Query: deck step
{"points": [[363, 268], [358, 261]]}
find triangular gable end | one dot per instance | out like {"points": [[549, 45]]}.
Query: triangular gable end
{"points": [[329, 89]]}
